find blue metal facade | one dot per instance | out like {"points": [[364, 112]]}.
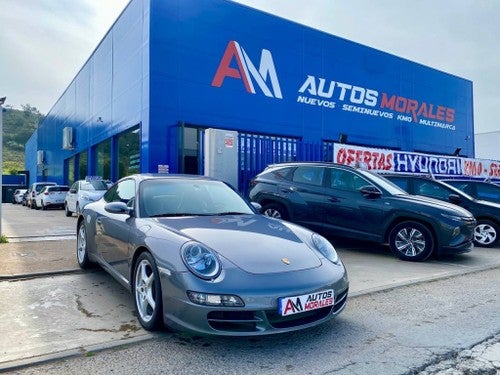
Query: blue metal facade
{"points": [[215, 63]]}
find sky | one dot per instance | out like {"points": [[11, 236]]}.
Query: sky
{"points": [[44, 43]]}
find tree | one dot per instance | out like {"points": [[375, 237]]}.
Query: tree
{"points": [[18, 127]]}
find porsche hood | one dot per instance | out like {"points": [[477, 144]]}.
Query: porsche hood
{"points": [[254, 243]]}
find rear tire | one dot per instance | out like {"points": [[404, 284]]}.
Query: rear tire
{"points": [[43, 207], [485, 233], [67, 211], [275, 210], [411, 241]]}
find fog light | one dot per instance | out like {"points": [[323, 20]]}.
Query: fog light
{"points": [[225, 300], [456, 231]]}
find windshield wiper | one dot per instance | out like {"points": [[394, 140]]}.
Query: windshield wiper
{"points": [[178, 214], [230, 213]]}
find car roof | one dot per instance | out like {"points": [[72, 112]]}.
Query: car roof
{"points": [[309, 163], [152, 176], [465, 180]]}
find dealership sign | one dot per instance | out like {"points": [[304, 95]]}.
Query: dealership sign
{"points": [[382, 160], [329, 93]]}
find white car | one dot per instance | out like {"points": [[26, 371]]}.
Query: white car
{"points": [[81, 193], [51, 197], [17, 197]]}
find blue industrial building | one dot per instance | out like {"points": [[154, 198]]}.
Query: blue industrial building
{"points": [[170, 69]]}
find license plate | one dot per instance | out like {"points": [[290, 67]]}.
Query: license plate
{"points": [[305, 302]]}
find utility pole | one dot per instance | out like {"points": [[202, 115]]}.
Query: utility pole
{"points": [[2, 101]]}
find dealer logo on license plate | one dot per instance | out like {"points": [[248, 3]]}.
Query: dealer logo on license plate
{"points": [[305, 302]]}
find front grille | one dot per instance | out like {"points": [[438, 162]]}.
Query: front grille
{"points": [[278, 321], [234, 321], [340, 301], [253, 321]]}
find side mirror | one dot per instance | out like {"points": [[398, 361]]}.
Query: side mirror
{"points": [[370, 191], [454, 198], [72, 191], [118, 208], [257, 206]]}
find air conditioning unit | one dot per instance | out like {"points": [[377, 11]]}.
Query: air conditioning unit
{"points": [[40, 157], [68, 141]]}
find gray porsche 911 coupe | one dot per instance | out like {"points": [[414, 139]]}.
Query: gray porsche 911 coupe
{"points": [[197, 257]]}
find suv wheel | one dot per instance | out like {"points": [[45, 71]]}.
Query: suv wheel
{"points": [[411, 241], [485, 233], [275, 210], [43, 206]]}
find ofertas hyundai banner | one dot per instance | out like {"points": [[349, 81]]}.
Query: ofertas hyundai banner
{"points": [[382, 160]]}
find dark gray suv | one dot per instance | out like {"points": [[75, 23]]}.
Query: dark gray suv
{"points": [[487, 214], [347, 202]]}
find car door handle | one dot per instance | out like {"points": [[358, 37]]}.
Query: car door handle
{"points": [[333, 199]]}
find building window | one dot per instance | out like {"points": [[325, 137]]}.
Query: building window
{"points": [[82, 165], [129, 154], [102, 160], [70, 170]]}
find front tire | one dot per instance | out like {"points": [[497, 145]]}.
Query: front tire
{"points": [[82, 254], [275, 210], [147, 292], [485, 233], [411, 241]]}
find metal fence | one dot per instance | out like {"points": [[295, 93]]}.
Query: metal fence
{"points": [[256, 152]]}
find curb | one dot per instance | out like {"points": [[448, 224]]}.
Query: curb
{"points": [[34, 275]]}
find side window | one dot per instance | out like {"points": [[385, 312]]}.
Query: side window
{"points": [[346, 180], [431, 189], [465, 187], [401, 182], [488, 192], [121, 192], [283, 174], [309, 175]]}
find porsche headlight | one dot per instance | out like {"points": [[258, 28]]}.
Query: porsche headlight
{"points": [[200, 260], [325, 247]]}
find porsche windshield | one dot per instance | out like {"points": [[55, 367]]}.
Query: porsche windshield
{"points": [[177, 197]]}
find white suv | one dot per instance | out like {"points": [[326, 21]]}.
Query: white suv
{"points": [[51, 196], [81, 193], [33, 190]]}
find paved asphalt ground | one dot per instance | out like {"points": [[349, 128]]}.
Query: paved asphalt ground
{"points": [[54, 310]]}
